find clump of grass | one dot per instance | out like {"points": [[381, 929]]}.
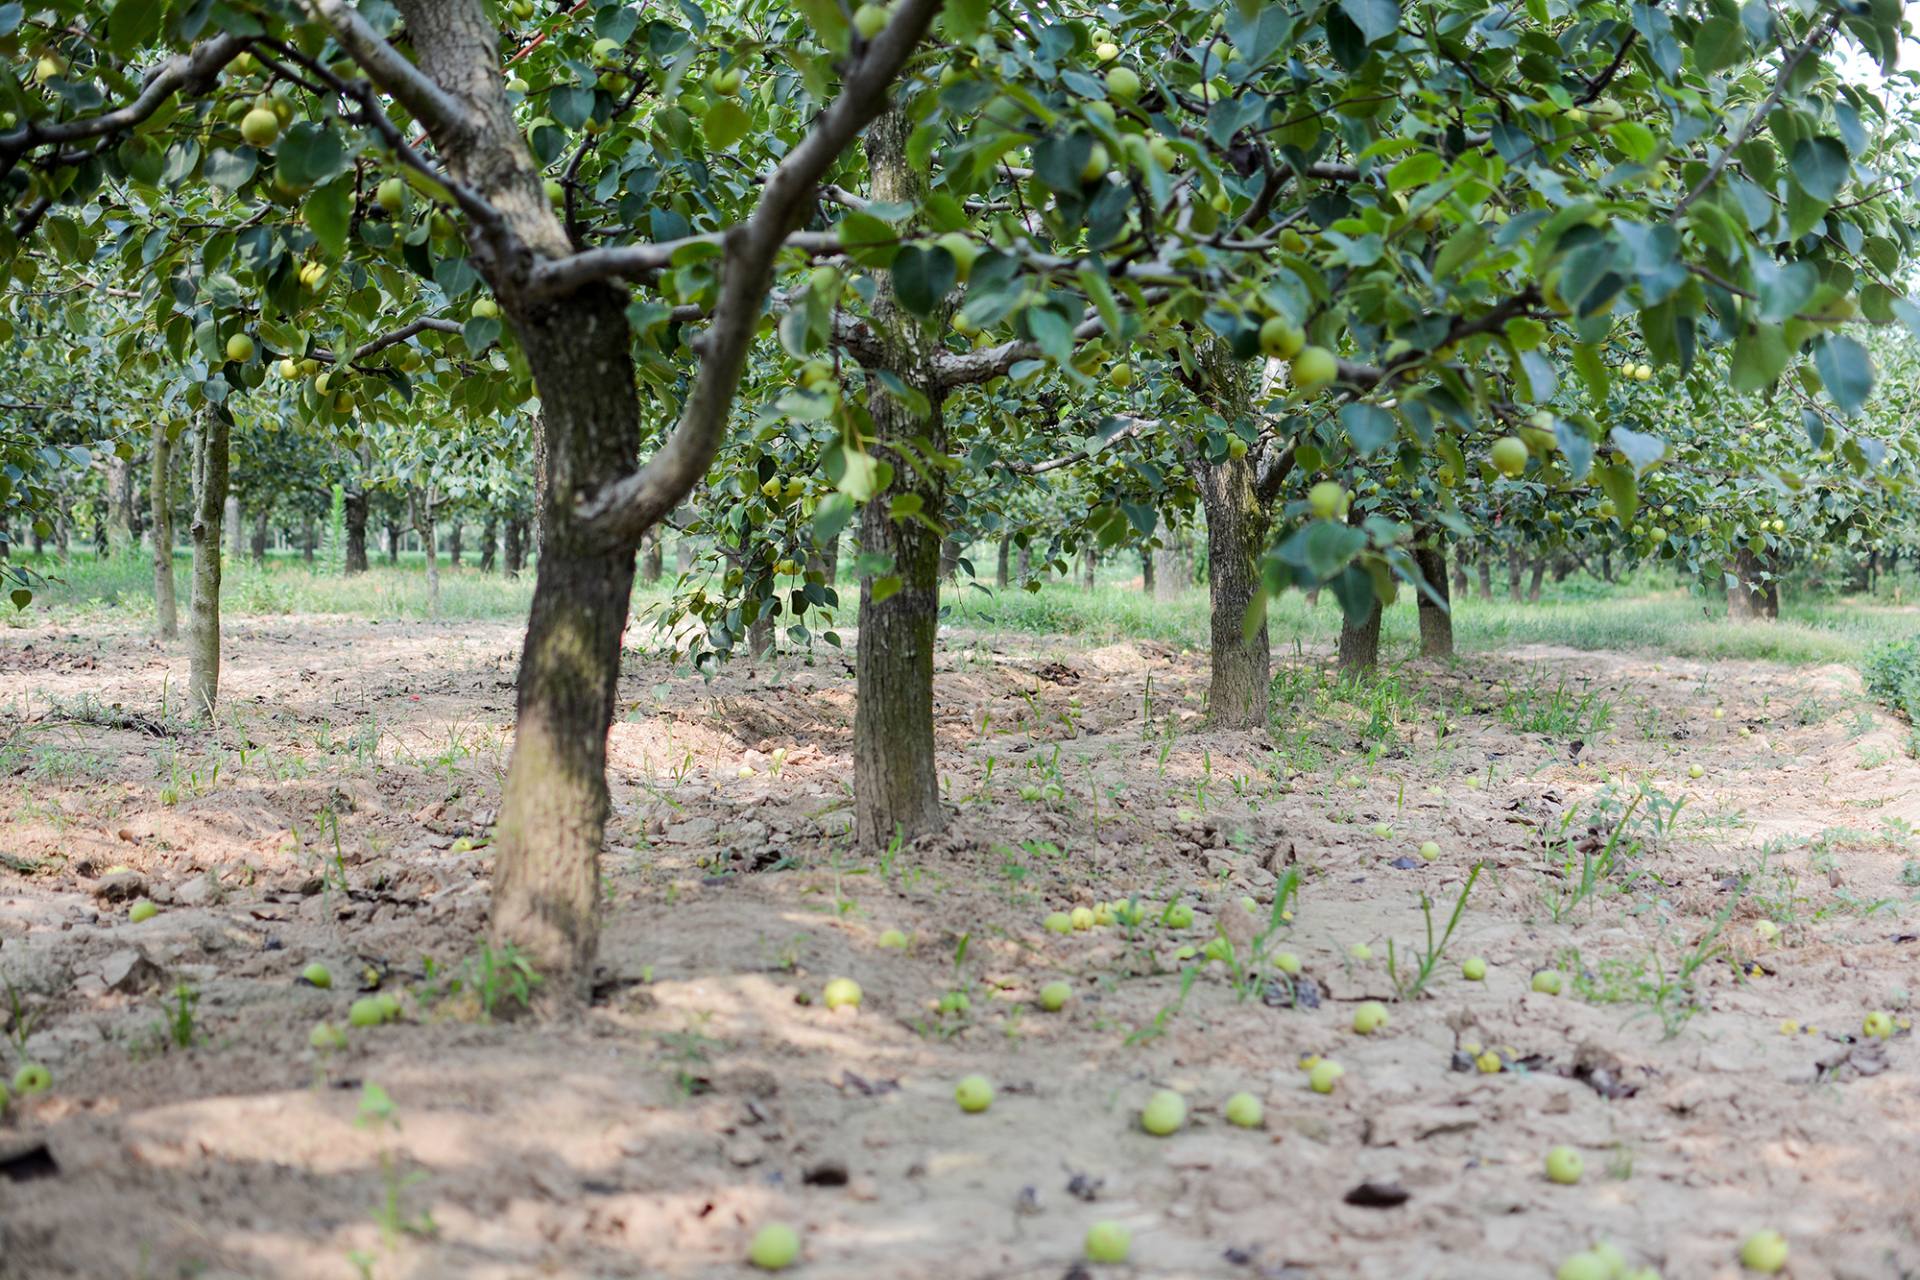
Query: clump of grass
{"points": [[1891, 673]]}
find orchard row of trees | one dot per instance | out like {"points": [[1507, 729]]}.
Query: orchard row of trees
{"points": [[1334, 280]]}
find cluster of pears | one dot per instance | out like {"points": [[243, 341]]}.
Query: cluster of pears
{"points": [[1309, 368]]}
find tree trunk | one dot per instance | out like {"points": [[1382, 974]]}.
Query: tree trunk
{"points": [[515, 552], [257, 546], [1360, 645], [652, 557], [949, 558], [1483, 569], [309, 537], [760, 633], [1236, 534], [235, 527], [160, 496], [1513, 575], [1146, 571], [1089, 562], [454, 532], [1436, 619], [554, 805], [1460, 584], [393, 541], [120, 502], [422, 505], [1026, 561], [1003, 564], [489, 543], [356, 505], [1533, 582], [1173, 572], [211, 503], [1751, 597], [896, 791]]}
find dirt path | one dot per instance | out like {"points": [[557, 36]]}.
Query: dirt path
{"points": [[333, 815]]}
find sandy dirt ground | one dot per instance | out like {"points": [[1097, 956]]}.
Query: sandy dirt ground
{"points": [[340, 813]]}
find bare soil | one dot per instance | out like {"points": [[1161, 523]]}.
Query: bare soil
{"points": [[340, 812]]}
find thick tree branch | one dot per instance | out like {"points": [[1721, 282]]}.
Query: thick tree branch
{"points": [[622, 511], [439, 111], [191, 72], [1134, 427], [555, 277]]}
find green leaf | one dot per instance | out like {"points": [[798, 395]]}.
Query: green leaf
{"points": [[867, 240], [1846, 371], [1759, 357], [882, 588], [727, 122], [922, 276], [1415, 171], [1322, 547], [329, 211], [1820, 166], [831, 518], [1619, 485], [1718, 43], [309, 153], [1377, 19], [1641, 450], [1368, 426], [133, 24]]}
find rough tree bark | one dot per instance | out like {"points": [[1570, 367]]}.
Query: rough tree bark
{"points": [[454, 548], [1026, 561], [515, 552], [1513, 575], [120, 516], [1360, 643], [235, 527], [393, 541], [257, 544], [1003, 564], [1460, 584], [1146, 572], [1483, 569], [1753, 597], [1089, 563], [896, 791], [356, 514], [652, 557], [160, 497], [1533, 582], [211, 503], [1237, 523], [420, 503], [1436, 619], [489, 543]]}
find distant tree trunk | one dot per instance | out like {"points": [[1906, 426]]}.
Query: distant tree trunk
{"points": [[236, 530], [455, 533], [1753, 596], [63, 530], [1513, 574], [1146, 571], [1562, 566], [422, 504], [1360, 644], [120, 502], [652, 556], [211, 503], [1173, 567], [1606, 566], [101, 543], [949, 557], [1026, 561], [160, 498], [489, 542], [393, 540], [257, 545], [1460, 583], [355, 502], [309, 536], [1003, 564], [1533, 582], [825, 561], [761, 637], [1239, 657], [1436, 621], [1484, 569], [515, 552], [1089, 562]]}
